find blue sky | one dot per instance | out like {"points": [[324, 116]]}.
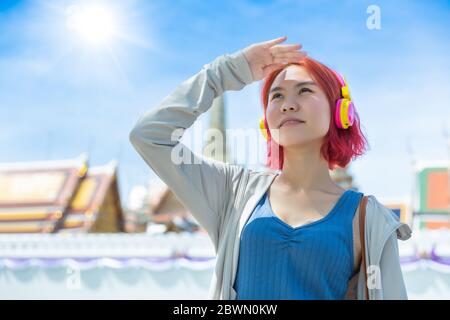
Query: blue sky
{"points": [[60, 96]]}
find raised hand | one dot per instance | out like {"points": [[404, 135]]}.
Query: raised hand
{"points": [[265, 57]]}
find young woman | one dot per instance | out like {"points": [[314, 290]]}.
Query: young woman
{"points": [[288, 232]]}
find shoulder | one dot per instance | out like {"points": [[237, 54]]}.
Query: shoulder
{"points": [[380, 218]]}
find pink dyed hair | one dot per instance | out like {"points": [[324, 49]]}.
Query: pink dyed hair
{"points": [[340, 146]]}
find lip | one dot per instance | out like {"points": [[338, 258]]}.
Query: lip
{"points": [[290, 123]]}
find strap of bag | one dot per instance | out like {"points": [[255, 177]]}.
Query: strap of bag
{"points": [[362, 219]]}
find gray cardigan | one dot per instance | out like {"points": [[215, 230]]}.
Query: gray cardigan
{"points": [[221, 196]]}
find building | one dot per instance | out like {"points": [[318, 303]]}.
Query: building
{"points": [[432, 196], [59, 196], [166, 209]]}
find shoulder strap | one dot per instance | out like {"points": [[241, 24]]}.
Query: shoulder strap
{"points": [[362, 219]]}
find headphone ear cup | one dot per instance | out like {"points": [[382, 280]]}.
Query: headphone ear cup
{"points": [[351, 113], [344, 115], [337, 114], [262, 128]]}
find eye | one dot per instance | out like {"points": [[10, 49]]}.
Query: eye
{"points": [[275, 96], [301, 90], [305, 89]]}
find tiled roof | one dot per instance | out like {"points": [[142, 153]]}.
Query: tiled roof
{"points": [[53, 196]]}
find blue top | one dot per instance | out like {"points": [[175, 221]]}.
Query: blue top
{"points": [[312, 261]]}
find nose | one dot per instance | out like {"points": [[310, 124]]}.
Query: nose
{"points": [[291, 106]]}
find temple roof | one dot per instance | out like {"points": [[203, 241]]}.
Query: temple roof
{"points": [[53, 196]]}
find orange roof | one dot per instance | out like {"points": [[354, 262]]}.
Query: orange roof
{"points": [[49, 196], [34, 195], [90, 195]]}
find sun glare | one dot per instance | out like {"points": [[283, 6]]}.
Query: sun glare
{"points": [[95, 25]]}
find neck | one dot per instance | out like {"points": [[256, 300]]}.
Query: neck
{"points": [[304, 169]]}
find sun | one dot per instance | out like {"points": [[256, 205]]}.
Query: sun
{"points": [[94, 24]]}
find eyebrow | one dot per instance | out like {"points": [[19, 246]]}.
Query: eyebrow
{"points": [[299, 84]]}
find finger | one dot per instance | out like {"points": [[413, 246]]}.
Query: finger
{"points": [[294, 54], [273, 42], [290, 57], [285, 48]]}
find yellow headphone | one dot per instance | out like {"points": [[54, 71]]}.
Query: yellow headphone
{"points": [[344, 116], [263, 129]]}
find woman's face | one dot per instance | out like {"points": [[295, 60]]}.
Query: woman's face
{"points": [[294, 94]]}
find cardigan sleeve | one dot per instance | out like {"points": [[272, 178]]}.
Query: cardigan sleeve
{"points": [[391, 273], [383, 230], [202, 184]]}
